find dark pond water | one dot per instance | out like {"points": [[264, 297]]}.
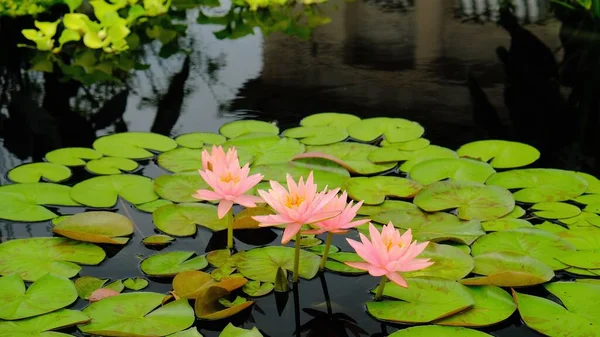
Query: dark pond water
{"points": [[445, 64]]}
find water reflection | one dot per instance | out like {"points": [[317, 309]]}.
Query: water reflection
{"points": [[531, 11]]}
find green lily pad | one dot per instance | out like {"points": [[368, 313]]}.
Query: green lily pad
{"points": [[86, 285], [492, 305], [191, 332], [504, 154], [117, 286], [336, 263], [111, 165], [555, 210], [151, 206], [388, 205], [261, 264], [394, 130], [588, 199], [473, 200], [135, 283], [411, 145], [593, 183], [134, 314], [72, 156], [232, 331], [581, 259], [584, 219], [243, 127], [425, 300], [23, 202], [320, 249], [333, 119], [317, 135], [406, 215], [534, 242], [179, 187], [157, 240], [448, 262], [172, 263], [133, 145], [96, 227], [324, 173], [435, 330], [181, 159], [352, 156], [43, 326], [551, 319], [212, 304], [578, 297], [197, 140], [516, 213], [103, 191], [46, 294], [509, 269], [181, 219], [588, 280], [267, 151], [457, 169], [257, 288], [411, 158], [504, 224], [373, 190], [34, 172], [538, 185], [582, 238], [35, 257]]}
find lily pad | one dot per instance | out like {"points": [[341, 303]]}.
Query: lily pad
{"points": [[538, 185], [509, 269], [48, 293], [336, 264], [593, 183], [551, 319], [181, 219], [325, 173], [181, 159], [150, 207], [394, 130], [434, 330], [209, 304], [136, 314], [72, 156], [333, 119], [373, 190], [411, 158], [582, 238], [503, 154], [133, 145], [584, 219], [34, 172], [578, 297], [111, 165], [242, 127], [157, 240], [179, 187], [492, 305], [581, 259], [197, 140], [232, 331], [23, 202], [516, 213], [555, 210], [317, 135], [472, 200], [96, 227], [135, 283], [504, 224], [86, 285], [172, 263], [261, 264], [267, 151], [43, 326], [425, 300], [117, 286], [536, 243], [244, 220], [411, 145], [388, 205], [188, 284], [352, 156], [35, 257], [257, 288], [456, 169], [191, 332], [448, 262], [103, 191]]}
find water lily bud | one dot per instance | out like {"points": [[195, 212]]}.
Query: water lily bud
{"points": [[102, 34], [102, 293]]}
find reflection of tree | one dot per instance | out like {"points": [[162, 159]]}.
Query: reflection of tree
{"points": [[524, 10]]}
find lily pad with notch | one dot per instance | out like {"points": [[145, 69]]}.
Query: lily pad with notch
{"points": [[436, 330], [317, 135], [584, 219], [410, 158], [388, 205], [157, 240], [43, 325], [111, 165], [267, 150], [581, 259], [96, 227], [332, 119], [503, 154], [171, 263], [197, 140], [336, 263], [243, 127], [503, 224], [184, 159], [86, 285], [448, 262], [103, 191], [233, 331], [34, 172], [209, 304], [582, 238], [373, 190], [261, 264], [325, 173], [133, 145], [257, 288], [555, 210], [179, 187], [151, 206], [72, 156], [23, 202], [411, 145], [593, 183], [456, 169], [135, 283], [181, 219], [578, 297], [394, 130]]}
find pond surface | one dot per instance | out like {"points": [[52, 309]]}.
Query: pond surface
{"points": [[436, 62]]}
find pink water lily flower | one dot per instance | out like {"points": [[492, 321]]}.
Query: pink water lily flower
{"points": [[389, 254], [299, 205], [342, 222], [229, 181]]}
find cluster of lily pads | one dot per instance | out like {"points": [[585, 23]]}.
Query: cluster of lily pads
{"points": [[496, 227]]}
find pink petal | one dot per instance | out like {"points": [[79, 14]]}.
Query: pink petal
{"points": [[271, 220], [355, 223], [415, 265], [377, 271], [223, 208], [207, 195], [248, 200], [398, 279], [358, 265], [289, 232], [102, 293]]}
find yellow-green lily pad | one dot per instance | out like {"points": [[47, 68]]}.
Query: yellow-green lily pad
{"points": [[43, 325], [436, 330], [181, 219], [411, 145], [135, 283], [111, 165], [172, 263], [456, 169], [243, 127], [196, 140], [257, 288], [555, 210], [267, 151], [373, 190], [502, 153], [261, 264], [96, 227], [151, 206], [23, 202], [333, 119], [72, 156], [179, 187], [157, 240], [394, 130], [448, 262], [317, 135], [325, 173], [410, 158], [133, 145], [581, 259], [34, 172], [103, 191]]}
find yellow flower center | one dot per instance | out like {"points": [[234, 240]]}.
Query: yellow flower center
{"points": [[388, 244], [295, 200], [228, 177]]}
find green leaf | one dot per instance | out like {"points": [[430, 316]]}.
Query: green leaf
{"points": [[111, 165], [134, 145], [179, 187], [86, 285], [325, 173], [317, 135], [209, 305], [191, 332], [374, 190], [582, 238], [43, 325], [434, 330], [242, 127], [197, 140], [411, 158], [336, 263], [96, 227], [135, 12], [172, 263], [448, 262], [46, 294], [456, 169], [257, 288], [473, 200], [394, 130], [578, 297], [47, 28], [261, 264], [117, 286], [103, 191], [593, 183], [135, 283], [503, 154], [504, 224], [35, 257], [232, 331], [268, 150], [425, 300], [555, 210], [34, 172], [73, 4], [181, 219], [22, 202], [150, 207], [538, 185], [334, 119], [72, 156], [411, 145], [581, 259], [135, 314], [157, 240], [181, 159], [68, 35]]}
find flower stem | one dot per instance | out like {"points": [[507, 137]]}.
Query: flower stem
{"points": [[326, 251], [380, 288], [229, 216], [296, 258]]}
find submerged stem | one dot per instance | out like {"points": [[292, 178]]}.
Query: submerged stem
{"points": [[296, 258], [229, 216], [326, 251], [380, 288]]}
